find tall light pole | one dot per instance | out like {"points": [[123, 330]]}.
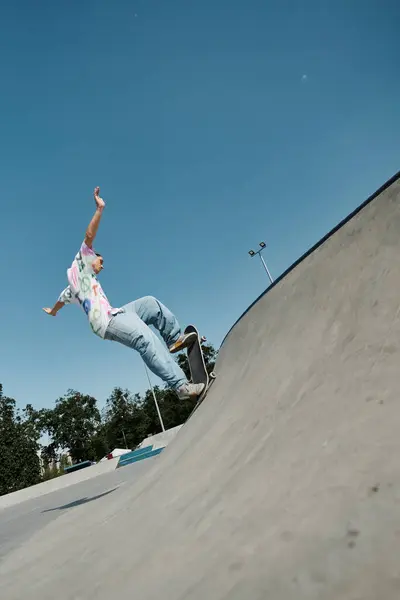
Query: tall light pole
{"points": [[253, 253], [154, 397]]}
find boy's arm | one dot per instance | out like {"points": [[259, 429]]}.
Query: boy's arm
{"points": [[95, 222], [64, 298], [53, 311]]}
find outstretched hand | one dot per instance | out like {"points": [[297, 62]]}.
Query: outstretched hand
{"points": [[49, 311], [99, 201]]}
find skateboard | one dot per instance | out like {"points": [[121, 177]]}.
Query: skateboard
{"points": [[197, 365]]}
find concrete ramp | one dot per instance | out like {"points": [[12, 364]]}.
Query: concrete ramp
{"points": [[285, 484]]}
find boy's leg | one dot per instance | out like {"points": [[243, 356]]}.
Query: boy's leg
{"points": [[128, 328], [153, 312]]}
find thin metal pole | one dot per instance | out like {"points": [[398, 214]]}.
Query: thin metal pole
{"points": [[266, 268], [155, 399], [123, 433]]}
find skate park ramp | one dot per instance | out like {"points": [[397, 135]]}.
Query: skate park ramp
{"points": [[285, 484]]}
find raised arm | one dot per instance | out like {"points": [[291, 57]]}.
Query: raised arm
{"points": [[94, 223]]}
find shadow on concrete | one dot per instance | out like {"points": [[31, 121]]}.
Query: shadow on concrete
{"points": [[79, 502]]}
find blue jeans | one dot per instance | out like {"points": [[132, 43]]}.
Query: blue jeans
{"points": [[131, 328]]}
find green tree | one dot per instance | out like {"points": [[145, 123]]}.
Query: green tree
{"points": [[64, 462], [98, 446], [48, 455], [73, 424], [173, 411], [19, 460], [32, 422], [51, 472], [125, 423], [53, 463]]}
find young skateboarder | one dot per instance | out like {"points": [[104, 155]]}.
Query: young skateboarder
{"points": [[129, 324]]}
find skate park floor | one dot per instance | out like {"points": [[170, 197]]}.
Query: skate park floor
{"points": [[20, 522]]}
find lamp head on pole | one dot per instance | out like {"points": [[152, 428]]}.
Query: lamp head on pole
{"points": [[262, 244], [251, 252]]}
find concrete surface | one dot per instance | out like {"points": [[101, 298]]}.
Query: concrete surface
{"points": [[47, 487], [162, 439], [285, 484], [20, 522]]}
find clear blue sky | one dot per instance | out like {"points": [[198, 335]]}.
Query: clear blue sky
{"points": [[209, 126]]}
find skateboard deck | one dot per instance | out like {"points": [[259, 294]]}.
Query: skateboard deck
{"points": [[197, 365]]}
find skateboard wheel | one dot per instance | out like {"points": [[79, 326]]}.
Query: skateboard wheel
{"points": [[212, 375], [203, 338]]}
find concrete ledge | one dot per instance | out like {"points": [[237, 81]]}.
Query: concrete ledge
{"points": [[160, 440], [58, 483], [133, 457]]}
